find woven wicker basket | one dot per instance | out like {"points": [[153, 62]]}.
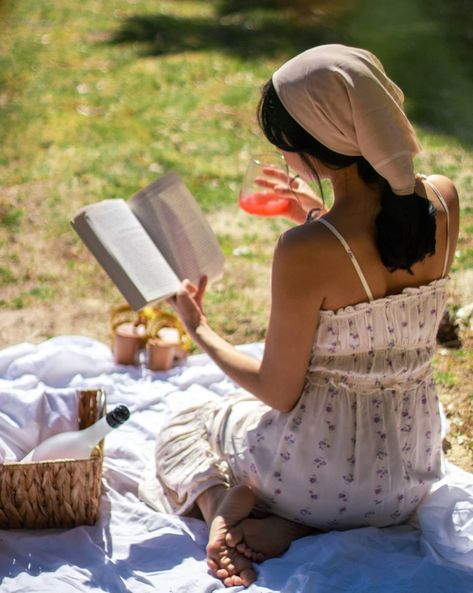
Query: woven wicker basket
{"points": [[55, 493]]}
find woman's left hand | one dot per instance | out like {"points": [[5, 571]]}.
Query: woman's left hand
{"points": [[188, 304], [300, 195]]}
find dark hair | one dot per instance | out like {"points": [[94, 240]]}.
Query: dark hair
{"points": [[405, 225]]}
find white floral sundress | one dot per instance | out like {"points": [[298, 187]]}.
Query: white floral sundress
{"points": [[362, 446]]}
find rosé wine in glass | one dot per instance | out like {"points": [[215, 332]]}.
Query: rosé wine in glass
{"points": [[257, 195]]}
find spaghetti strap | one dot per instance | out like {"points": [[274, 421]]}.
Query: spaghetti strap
{"points": [[351, 255], [445, 207]]}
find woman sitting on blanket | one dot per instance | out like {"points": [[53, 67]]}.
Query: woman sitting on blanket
{"points": [[338, 426]]}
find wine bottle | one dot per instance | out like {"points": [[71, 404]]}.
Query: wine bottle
{"points": [[78, 444]]}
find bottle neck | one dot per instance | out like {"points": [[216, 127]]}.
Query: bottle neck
{"points": [[99, 430]]}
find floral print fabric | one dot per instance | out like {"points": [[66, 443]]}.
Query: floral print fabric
{"points": [[361, 447]]}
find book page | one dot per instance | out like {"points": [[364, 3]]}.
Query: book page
{"points": [[117, 234], [172, 218]]}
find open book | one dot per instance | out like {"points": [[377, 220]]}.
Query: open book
{"points": [[150, 243]]}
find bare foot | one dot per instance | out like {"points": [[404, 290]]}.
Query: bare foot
{"points": [[231, 505], [260, 539]]}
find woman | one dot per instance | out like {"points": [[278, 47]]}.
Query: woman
{"points": [[339, 422]]}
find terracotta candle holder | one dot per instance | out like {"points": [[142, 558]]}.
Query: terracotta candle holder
{"points": [[128, 340], [161, 354]]}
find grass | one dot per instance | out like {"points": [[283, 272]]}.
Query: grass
{"points": [[97, 102]]}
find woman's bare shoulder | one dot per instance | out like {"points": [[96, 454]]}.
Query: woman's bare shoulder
{"points": [[447, 188], [306, 253], [303, 235], [307, 242]]}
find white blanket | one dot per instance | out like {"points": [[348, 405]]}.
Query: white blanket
{"points": [[134, 549]]}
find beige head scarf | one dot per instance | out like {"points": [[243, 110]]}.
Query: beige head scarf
{"points": [[343, 98]]}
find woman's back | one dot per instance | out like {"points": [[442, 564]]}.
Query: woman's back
{"points": [[357, 231]]}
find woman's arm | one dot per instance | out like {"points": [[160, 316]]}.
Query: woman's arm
{"points": [[278, 379]]}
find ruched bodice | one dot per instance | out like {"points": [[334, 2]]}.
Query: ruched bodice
{"points": [[383, 342]]}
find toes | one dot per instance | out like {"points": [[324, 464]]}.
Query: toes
{"points": [[234, 536], [235, 539], [250, 553], [212, 564], [225, 561], [239, 562], [233, 569], [227, 564], [247, 576], [233, 581], [246, 579], [245, 550]]}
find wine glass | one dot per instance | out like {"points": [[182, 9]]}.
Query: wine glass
{"points": [[257, 194]]}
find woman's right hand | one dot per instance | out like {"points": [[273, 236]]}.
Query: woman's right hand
{"points": [[300, 195], [188, 304]]}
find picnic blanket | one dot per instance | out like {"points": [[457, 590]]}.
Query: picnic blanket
{"points": [[135, 549]]}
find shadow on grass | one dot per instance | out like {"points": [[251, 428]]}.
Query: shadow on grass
{"points": [[248, 37], [298, 8], [225, 7], [423, 48]]}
